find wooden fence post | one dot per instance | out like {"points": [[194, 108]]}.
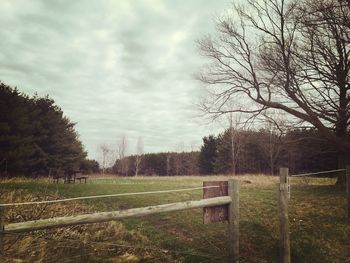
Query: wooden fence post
{"points": [[283, 217], [2, 227], [348, 190], [233, 221]]}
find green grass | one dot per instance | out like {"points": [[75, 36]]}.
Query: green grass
{"points": [[319, 232]]}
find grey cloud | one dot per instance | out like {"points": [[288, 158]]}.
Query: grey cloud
{"points": [[114, 67]]}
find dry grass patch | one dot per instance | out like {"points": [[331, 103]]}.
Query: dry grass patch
{"points": [[85, 243]]}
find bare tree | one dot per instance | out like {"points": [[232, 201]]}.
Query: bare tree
{"points": [[178, 158], [139, 153], [234, 128], [272, 147], [168, 156], [274, 56], [325, 55], [122, 148], [106, 151], [194, 146]]}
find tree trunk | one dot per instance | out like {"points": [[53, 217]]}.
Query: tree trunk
{"points": [[343, 160]]}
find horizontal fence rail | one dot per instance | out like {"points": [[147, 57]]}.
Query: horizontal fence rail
{"points": [[114, 215], [230, 200]]}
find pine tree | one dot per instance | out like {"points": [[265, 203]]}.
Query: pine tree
{"points": [[207, 155], [35, 136]]}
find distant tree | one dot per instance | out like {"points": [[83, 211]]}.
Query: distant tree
{"points": [[178, 158], [122, 148], [270, 146], [207, 155], [155, 163], [190, 163], [305, 150], [106, 151], [223, 159], [235, 122], [249, 155], [168, 156], [90, 166], [271, 141], [139, 153]]}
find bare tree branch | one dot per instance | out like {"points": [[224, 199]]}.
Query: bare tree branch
{"points": [[284, 55]]}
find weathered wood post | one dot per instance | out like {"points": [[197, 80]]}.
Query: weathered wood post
{"points": [[288, 186], [283, 217], [233, 221], [2, 227], [348, 190]]}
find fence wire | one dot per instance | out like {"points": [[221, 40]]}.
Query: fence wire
{"points": [[315, 173], [104, 196], [133, 241], [68, 244]]}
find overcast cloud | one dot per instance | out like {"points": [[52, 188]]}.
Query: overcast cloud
{"points": [[114, 67]]}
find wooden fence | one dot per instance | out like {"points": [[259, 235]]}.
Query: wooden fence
{"points": [[231, 200], [284, 195]]}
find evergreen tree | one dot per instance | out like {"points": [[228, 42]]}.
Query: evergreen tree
{"points": [[35, 137], [223, 157], [207, 155], [89, 166]]}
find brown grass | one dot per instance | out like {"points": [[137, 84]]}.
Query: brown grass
{"points": [[85, 243]]}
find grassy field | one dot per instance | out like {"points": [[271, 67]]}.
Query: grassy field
{"points": [[319, 232]]}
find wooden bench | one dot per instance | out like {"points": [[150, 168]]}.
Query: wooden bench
{"points": [[71, 177], [82, 178], [56, 178]]}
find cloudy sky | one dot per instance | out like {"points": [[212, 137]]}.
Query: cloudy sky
{"points": [[114, 67]]}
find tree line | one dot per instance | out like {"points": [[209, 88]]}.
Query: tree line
{"points": [[239, 151], [262, 151], [162, 164], [36, 138]]}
